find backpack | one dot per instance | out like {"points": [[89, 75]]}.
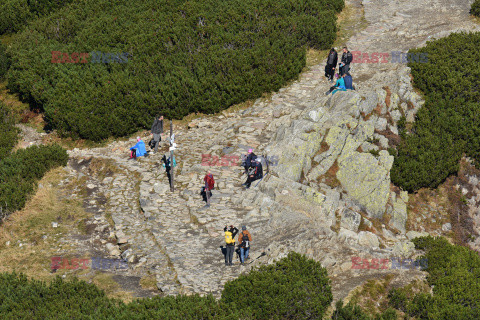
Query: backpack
{"points": [[245, 241], [133, 154], [151, 144], [228, 238], [210, 182]]}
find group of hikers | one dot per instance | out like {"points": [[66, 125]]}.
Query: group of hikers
{"points": [[344, 78], [244, 240]]}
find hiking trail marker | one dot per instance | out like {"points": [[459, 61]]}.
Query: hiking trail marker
{"points": [[172, 147]]}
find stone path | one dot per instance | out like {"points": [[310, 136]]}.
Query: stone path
{"points": [[297, 206]]}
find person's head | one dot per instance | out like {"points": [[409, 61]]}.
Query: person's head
{"points": [[138, 139], [250, 151], [337, 75], [160, 117], [345, 49], [258, 160], [244, 228], [332, 50], [208, 172]]}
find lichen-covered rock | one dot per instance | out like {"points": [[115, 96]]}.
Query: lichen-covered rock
{"points": [[368, 239], [367, 180], [399, 211], [403, 249], [350, 220]]}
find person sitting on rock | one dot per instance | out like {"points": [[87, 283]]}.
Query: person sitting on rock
{"points": [[244, 239], [339, 85], [255, 172], [248, 159], [348, 81], [230, 234], [139, 149]]}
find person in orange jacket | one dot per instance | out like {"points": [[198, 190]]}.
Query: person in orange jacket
{"points": [[244, 240]]}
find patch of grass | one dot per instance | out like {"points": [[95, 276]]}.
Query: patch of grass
{"points": [[148, 282], [372, 296]]}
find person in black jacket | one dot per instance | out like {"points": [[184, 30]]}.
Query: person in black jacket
{"points": [[255, 172], [347, 58], [157, 130], [331, 64], [249, 158]]}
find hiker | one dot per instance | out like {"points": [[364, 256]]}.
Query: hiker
{"points": [[331, 64], [348, 81], [346, 60], [207, 189], [248, 159], [230, 244], [138, 150], [157, 130], [244, 240], [339, 85], [255, 172]]}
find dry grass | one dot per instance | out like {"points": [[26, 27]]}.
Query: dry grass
{"points": [[372, 296], [330, 177], [148, 282], [32, 227]]}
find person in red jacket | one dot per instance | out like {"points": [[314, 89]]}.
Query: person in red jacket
{"points": [[209, 185]]}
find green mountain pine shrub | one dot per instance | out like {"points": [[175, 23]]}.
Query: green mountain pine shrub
{"points": [[448, 125], [454, 274], [184, 57], [293, 288], [4, 61], [20, 171], [475, 9], [14, 14], [8, 131]]}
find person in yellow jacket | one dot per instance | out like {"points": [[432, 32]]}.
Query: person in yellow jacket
{"points": [[230, 234]]}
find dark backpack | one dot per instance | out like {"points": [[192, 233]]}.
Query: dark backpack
{"points": [[151, 144], [245, 242]]}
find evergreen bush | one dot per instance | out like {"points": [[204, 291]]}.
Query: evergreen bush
{"points": [[292, 288], [475, 9], [454, 275], [8, 131], [4, 61], [20, 171], [183, 57], [448, 125]]}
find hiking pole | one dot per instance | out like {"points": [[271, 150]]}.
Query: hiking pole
{"points": [[261, 255], [172, 188]]}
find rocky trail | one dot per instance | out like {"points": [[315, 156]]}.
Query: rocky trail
{"points": [[332, 175]]}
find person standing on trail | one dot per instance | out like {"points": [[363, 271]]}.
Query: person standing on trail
{"points": [[332, 60], [157, 130], [347, 58], [248, 159], [207, 189], [230, 234], [244, 239]]}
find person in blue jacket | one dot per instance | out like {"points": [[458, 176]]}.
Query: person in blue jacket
{"points": [[339, 86], [139, 148]]}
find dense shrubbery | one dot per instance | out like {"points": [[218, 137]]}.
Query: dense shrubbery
{"points": [[293, 288], [448, 125], [303, 283], [4, 61], [14, 14], [8, 131], [475, 10], [454, 274], [184, 57], [20, 171]]}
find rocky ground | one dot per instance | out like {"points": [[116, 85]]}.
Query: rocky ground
{"points": [[329, 196]]}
